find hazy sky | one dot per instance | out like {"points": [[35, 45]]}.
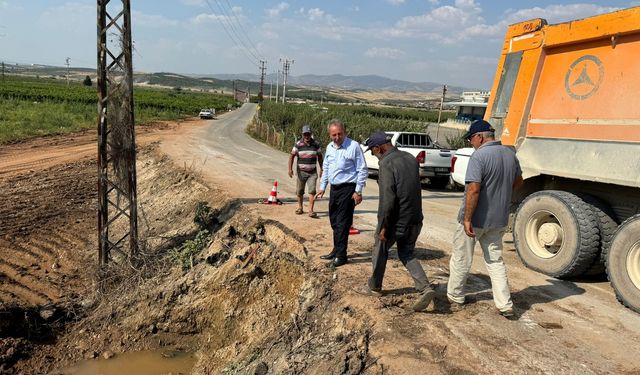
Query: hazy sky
{"points": [[444, 41]]}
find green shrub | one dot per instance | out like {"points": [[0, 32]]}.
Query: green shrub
{"points": [[183, 255], [205, 217], [456, 141]]}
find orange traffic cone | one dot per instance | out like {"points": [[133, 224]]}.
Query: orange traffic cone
{"points": [[353, 230], [273, 195]]}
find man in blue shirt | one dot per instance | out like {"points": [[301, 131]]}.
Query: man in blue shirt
{"points": [[345, 169]]}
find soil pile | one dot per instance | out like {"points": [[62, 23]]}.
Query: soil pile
{"points": [[250, 302]]}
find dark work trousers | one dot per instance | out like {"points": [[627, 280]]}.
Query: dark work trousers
{"points": [[406, 239], [341, 207]]}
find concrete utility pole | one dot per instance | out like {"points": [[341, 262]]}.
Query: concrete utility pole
{"points": [[270, 88], [117, 213], [263, 68], [444, 92], [278, 82], [68, 59], [234, 90], [285, 72]]}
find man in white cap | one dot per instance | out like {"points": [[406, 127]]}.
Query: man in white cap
{"points": [[307, 151]]}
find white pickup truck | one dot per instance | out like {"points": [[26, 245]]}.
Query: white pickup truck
{"points": [[435, 162], [459, 164]]}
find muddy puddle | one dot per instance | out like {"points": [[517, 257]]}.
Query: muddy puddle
{"points": [[140, 363]]}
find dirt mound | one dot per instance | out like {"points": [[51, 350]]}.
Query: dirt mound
{"points": [[249, 302]]}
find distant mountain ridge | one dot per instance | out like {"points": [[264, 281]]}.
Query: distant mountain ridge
{"points": [[339, 81]]}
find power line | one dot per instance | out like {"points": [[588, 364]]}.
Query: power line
{"points": [[253, 60], [242, 28], [233, 28]]}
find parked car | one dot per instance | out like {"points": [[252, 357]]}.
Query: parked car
{"points": [[459, 163], [207, 113], [435, 162]]}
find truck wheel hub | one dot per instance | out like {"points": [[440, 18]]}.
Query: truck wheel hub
{"points": [[550, 234], [633, 264]]}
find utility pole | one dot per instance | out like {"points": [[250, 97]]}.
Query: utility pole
{"points": [[3, 71], [263, 68], [270, 88], [117, 196], [68, 71], [234, 90], [285, 72], [278, 82], [444, 92]]}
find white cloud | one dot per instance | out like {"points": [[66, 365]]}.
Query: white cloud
{"points": [[315, 14], [395, 2], [236, 10], [462, 21], [209, 18], [275, 12], [151, 20], [4, 4], [387, 53], [558, 13]]}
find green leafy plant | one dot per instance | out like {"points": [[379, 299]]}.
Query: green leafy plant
{"points": [[205, 216], [456, 141], [183, 255]]}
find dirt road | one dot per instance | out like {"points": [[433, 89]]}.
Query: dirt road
{"points": [[563, 327], [47, 243]]}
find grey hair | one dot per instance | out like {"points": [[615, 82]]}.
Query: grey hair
{"points": [[488, 134], [336, 122]]}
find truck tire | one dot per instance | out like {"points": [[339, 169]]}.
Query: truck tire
{"points": [[555, 233], [607, 226], [623, 263]]}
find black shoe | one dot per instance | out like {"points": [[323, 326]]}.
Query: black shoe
{"points": [[365, 290], [509, 314], [331, 255], [424, 300], [337, 262]]}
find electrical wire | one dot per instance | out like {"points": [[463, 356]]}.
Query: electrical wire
{"points": [[233, 28], [242, 28], [252, 59]]}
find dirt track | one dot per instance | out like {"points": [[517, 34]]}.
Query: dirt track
{"points": [[47, 241]]}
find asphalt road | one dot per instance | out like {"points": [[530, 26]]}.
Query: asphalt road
{"points": [[248, 160]]}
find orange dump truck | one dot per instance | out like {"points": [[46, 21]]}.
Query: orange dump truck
{"points": [[567, 98]]}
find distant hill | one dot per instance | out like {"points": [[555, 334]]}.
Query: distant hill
{"points": [[333, 88], [339, 81]]}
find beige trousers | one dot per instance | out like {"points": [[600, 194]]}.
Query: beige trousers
{"points": [[462, 258]]}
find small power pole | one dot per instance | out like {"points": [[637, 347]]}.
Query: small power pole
{"points": [[3, 71], [117, 196], [263, 68], [68, 59], [270, 88], [285, 72], [444, 92], [278, 83], [234, 90]]}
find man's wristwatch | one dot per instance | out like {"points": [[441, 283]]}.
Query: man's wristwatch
{"points": [[359, 193]]}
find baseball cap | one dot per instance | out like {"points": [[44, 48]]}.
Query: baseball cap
{"points": [[376, 139], [477, 127], [306, 129]]}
